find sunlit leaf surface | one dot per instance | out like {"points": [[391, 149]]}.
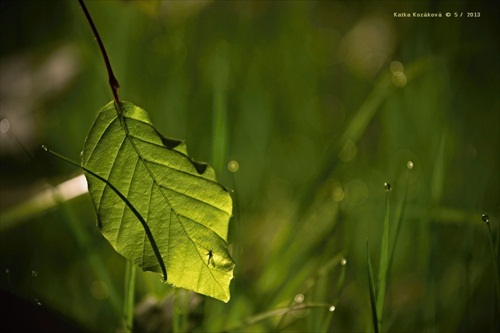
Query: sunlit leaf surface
{"points": [[175, 217]]}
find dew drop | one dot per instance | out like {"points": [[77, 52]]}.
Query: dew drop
{"points": [[485, 218], [37, 301], [233, 166], [34, 273], [387, 186], [299, 298], [7, 271], [409, 165], [81, 153], [331, 308], [343, 262], [44, 147]]}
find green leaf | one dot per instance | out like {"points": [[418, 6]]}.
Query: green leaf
{"points": [[158, 207]]}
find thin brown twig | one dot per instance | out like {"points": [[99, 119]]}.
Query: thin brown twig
{"points": [[113, 82]]}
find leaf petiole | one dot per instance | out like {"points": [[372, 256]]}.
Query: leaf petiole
{"points": [[113, 82]]}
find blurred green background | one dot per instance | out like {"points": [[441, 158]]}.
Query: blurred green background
{"points": [[320, 103]]}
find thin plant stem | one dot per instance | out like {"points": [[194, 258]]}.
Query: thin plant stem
{"points": [[277, 312], [95, 260], [338, 291], [313, 280], [128, 305], [33, 276], [113, 82], [496, 273], [78, 233], [219, 149], [181, 311], [400, 216], [219, 116]]}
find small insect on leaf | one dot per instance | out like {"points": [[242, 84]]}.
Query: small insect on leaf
{"points": [[210, 255]]}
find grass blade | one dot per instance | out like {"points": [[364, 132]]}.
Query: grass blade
{"points": [[400, 212], [220, 65], [371, 287], [312, 281], [384, 261], [338, 291], [128, 304], [496, 273]]}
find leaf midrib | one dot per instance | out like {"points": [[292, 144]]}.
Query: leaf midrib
{"points": [[160, 187]]}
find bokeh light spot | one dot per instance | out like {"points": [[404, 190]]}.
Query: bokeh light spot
{"points": [[356, 192], [99, 290], [348, 152], [396, 66], [299, 298], [399, 79], [233, 166], [337, 192], [4, 125]]}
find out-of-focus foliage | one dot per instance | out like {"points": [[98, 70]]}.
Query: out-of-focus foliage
{"points": [[319, 103]]}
